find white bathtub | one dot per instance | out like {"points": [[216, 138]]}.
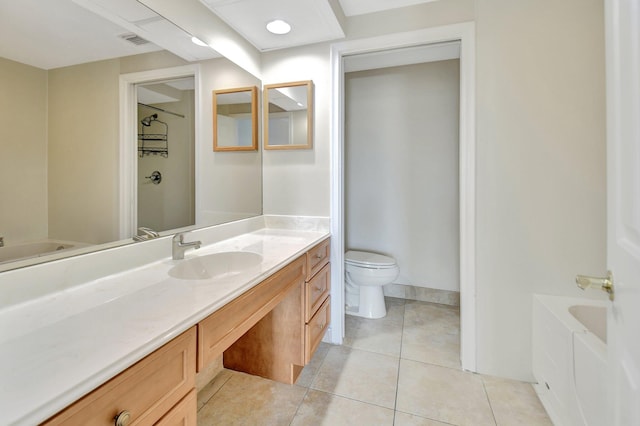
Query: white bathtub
{"points": [[570, 358], [13, 252]]}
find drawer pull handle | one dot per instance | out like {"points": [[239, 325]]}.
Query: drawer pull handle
{"points": [[122, 418], [318, 288], [319, 256]]}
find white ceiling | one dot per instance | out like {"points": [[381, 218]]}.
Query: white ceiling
{"points": [[311, 21], [362, 7], [54, 33]]}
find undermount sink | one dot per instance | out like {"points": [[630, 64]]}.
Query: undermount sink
{"points": [[215, 265]]}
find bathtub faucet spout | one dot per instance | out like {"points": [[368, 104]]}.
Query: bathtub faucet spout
{"points": [[604, 284]]}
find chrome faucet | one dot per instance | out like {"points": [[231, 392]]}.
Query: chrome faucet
{"points": [[147, 234], [178, 246]]}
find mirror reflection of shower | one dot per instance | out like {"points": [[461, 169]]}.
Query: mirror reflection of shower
{"points": [[166, 146]]}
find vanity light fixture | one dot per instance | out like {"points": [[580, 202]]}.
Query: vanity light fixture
{"points": [[278, 26], [196, 40]]}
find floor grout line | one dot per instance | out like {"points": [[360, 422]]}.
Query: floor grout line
{"points": [[395, 402], [352, 399], [219, 389], [484, 388], [308, 388]]}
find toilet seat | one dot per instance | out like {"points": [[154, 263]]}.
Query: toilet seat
{"points": [[365, 259]]}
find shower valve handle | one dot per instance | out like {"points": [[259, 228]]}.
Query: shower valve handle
{"points": [[156, 177]]}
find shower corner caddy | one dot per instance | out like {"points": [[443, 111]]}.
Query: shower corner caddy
{"points": [[153, 143]]}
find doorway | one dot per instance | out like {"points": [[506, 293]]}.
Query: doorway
{"points": [[155, 111], [464, 34], [166, 159], [401, 169]]}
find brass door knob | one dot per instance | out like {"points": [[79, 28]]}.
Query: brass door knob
{"points": [[122, 418], [603, 283]]}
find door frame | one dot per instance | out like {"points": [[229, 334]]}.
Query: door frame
{"points": [[128, 152], [465, 34]]}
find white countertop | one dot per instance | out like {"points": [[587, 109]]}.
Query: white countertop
{"points": [[59, 347]]}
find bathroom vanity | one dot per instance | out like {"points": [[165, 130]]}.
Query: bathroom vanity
{"points": [[134, 356]]}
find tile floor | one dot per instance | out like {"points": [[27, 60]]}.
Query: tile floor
{"points": [[400, 370]]}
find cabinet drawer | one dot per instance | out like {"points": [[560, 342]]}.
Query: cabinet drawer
{"points": [[315, 329], [147, 390], [316, 291], [185, 413], [219, 330], [317, 257]]}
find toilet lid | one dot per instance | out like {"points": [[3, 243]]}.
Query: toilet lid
{"points": [[364, 258]]}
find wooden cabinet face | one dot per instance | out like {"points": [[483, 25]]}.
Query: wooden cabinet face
{"points": [[147, 390], [317, 257], [316, 328], [317, 291]]}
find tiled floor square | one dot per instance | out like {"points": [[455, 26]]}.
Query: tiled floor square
{"points": [[360, 375], [443, 394], [431, 334], [251, 400], [382, 335]]}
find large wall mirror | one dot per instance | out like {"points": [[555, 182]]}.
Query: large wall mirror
{"points": [[288, 115], [61, 160], [235, 119]]}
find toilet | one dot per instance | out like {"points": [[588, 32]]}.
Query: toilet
{"points": [[365, 274]]}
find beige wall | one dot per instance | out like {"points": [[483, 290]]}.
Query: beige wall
{"points": [[23, 152], [83, 178], [540, 154], [401, 169], [83, 152], [296, 182], [541, 165], [230, 182]]}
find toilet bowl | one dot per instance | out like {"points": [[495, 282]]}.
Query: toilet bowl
{"points": [[365, 274]]}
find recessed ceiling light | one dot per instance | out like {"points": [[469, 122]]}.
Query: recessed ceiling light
{"points": [[278, 26], [199, 42]]}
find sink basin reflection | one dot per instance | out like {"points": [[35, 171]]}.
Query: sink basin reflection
{"points": [[215, 265]]}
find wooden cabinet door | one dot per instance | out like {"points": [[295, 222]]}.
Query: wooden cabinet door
{"points": [[147, 390]]}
